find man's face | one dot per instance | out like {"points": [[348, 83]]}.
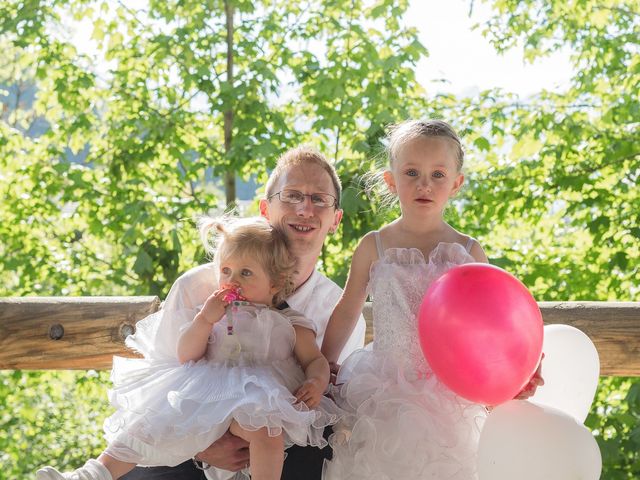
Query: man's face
{"points": [[305, 224]]}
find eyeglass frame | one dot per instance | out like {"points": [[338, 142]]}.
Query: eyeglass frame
{"points": [[336, 203]]}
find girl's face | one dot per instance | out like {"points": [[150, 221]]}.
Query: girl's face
{"points": [[247, 275], [425, 175]]}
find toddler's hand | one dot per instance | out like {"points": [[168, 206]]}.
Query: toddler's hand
{"points": [[333, 372], [213, 308], [310, 392]]}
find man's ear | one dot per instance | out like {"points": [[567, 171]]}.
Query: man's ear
{"points": [[337, 217], [264, 208], [457, 185], [387, 176]]}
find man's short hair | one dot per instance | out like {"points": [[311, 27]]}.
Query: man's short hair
{"points": [[301, 156]]}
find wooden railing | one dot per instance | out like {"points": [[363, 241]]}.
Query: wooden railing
{"points": [[85, 332]]}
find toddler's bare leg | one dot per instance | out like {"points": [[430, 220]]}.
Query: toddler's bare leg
{"points": [[266, 453], [117, 468]]}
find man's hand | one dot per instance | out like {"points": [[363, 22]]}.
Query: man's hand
{"points": [[228, 452], [536, 381], [310, 392]]}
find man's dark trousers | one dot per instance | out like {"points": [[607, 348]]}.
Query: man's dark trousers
{"points": [[302, 463]]}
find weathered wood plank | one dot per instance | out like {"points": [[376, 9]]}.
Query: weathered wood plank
{"points": [[39, 333], [614, 328], [94, 329]]}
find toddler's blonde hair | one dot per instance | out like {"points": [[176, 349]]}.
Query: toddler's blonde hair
{"points": [[252, 237]]}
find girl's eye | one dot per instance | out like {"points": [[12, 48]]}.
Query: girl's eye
{"points": [[246, 272], [226, 270], [438, 174], [411, 173]]}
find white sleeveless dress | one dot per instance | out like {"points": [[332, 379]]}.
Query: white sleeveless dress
{"points": [[402, 423], [168, 412]]}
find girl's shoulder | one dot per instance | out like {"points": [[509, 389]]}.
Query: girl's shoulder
{"points": [[367, 247], [470, 244]]}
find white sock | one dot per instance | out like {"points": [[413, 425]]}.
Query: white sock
{"points": [[92, 470]]}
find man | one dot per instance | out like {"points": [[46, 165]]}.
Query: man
{"points": [[303, 198]]}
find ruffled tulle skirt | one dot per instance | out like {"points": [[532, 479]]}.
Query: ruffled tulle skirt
{"points": [[167, 412], [398, 427]]}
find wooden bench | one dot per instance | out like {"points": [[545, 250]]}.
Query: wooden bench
{"points": [[39, 333]]}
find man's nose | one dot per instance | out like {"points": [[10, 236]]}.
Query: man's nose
{"points": [[304, 208]]}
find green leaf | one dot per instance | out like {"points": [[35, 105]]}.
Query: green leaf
{"points": [[482, 143], [143, 264]]}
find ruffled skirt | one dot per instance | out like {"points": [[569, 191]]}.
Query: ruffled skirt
{"points": [[400, 428], [167, 412]]}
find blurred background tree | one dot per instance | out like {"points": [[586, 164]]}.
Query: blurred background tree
{"points": [[107, 154]]}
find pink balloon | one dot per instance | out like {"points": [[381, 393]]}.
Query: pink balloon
{"points": [[481, 332]]}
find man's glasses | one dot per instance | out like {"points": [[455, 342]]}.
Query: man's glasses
{"points": [[322, 200]]}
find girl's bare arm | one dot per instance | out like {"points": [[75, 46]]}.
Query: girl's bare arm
{"points": [[348, 309]]}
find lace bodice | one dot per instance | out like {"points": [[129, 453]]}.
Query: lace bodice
{"points": [[398, 281]]}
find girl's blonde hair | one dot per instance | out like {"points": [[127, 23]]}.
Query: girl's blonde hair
{"points": [[403, 133], [253, 237]]}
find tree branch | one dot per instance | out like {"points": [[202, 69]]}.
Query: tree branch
{"points": [[347, 58]]}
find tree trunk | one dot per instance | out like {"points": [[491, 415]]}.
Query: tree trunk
{"points": [[230, 175]]}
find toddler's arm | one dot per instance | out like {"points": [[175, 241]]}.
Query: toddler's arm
{"points": [[348, 309], [315, 366], [192, 343]]}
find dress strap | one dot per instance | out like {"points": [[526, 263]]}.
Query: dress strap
{"points": [[376, 234], [469, 245]]}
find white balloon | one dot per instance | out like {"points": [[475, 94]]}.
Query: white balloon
{"points": [[523, 441], [570, 369]]}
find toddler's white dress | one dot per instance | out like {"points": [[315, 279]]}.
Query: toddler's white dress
{"points": [[402, 423], [168, 412]]}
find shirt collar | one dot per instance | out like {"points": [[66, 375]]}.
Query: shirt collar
{"points": [[301, 297]]}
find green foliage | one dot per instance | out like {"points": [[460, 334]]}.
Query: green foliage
{"points": [[615, 420], [150, 128], [50, 418]]}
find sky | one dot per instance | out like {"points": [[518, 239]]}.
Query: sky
{"points": [[461, 55]]}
